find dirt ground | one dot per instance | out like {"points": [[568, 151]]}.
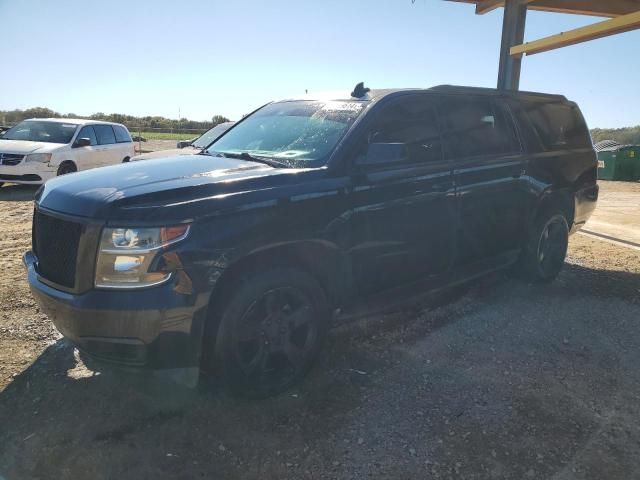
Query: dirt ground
{"points": [[499, 379], [154, 145], [618, 213]]}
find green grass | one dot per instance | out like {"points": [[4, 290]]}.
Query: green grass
{"points": [[164, 136]]}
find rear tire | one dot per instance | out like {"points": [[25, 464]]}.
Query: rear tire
{"points": [[546, 248], [271, 331], [65, 168]]}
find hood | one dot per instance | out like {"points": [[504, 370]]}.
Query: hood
{"points": [[167, 153], [176, 188], [25, 147]]}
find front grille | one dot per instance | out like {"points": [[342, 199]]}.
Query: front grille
{"points": [[55, 243], [10, 158]]}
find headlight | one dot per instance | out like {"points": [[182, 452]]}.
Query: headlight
{"points": [[126, 255], [38, 157]]}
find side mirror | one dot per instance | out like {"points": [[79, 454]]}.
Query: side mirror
{"points": [[184, 143], [82, 142], [383, 154]]}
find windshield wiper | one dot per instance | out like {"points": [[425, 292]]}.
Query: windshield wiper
{"points": [[247, 156]]}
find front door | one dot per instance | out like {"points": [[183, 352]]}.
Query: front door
{"points": [[403, 213]]}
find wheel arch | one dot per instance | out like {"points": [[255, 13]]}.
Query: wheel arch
{"points": [[556, 199], [67, 162], [322, 260]]}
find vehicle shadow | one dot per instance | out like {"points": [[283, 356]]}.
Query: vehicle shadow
{"points": [[17, 193], [62, 420], [58, 404]]}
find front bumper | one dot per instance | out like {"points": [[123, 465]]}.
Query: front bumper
{"points": [[30, 173], [155, 327]]}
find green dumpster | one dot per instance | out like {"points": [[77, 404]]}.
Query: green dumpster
{"points": [[618, 162]]}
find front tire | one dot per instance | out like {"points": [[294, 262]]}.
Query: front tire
{"points": [[271, 331], [66, 168], [546, 248]]}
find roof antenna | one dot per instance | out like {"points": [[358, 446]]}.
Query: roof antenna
{"points": [[360, 90]]}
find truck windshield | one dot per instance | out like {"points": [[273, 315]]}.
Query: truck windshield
{"points": [[41, 131], [209, 136], [296, 133]]}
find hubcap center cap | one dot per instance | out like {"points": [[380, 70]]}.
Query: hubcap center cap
{"points": [[275, 327]]}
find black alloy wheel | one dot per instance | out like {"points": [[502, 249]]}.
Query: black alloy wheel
{"points": [[552, 246], [271, 331], [274, 338], [546, 249]]}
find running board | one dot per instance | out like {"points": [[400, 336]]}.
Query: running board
{"points": [[391, 300]]}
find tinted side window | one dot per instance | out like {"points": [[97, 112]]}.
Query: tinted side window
{"points": [[527, 133], [87, 132], [122, 135], [105, 134], [558, 126], [411, 121], [477, 126]]}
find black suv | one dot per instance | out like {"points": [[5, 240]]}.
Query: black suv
{"points": [[239, 258]]}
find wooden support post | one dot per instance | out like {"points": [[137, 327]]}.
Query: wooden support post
{"points": [[513, 25]]}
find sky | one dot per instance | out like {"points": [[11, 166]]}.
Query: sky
{"points": [[199, 58]]}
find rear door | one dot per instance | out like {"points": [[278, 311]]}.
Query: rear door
{"points": [[109, 150], [481, 141], [403, 221]]}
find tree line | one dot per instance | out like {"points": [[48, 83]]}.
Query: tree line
{"points": [[626, 136], [11, 117]]}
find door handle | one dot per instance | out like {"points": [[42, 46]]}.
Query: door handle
{"points": [[519, 174], [440, 187]]}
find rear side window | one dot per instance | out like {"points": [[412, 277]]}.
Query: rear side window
{"points": [[558, 126], [87, 132], [122, 135], [413, 121], [477, 126], [105, 134]]}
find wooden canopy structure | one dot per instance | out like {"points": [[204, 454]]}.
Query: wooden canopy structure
{"points": [[623, 16]]}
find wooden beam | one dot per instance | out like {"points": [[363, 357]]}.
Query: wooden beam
{"points": [[486, 6], [624, 23], [598, 8]]}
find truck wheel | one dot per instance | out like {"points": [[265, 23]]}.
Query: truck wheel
{"points": [[65, 168], [271, 331], [1, 184], [546, 248]]}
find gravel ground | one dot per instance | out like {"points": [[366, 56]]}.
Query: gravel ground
{"points": [[499, 379]]}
